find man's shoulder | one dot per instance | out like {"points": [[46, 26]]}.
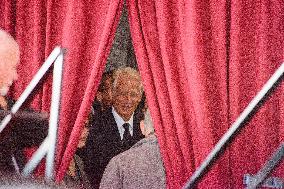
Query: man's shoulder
{"points": [[127, 158], [132, 152], [123, 157]]}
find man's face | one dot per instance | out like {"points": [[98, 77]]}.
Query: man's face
{"points": [[8, 70], [127, 96]]}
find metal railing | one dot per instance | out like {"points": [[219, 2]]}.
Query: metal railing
{"points": [[48, 145], [248, 111]]}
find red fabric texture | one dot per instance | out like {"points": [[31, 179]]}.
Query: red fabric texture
{"points": [[201, 63], [92, 29], [30, 24], [39, 171], [185, 82], [86, 31], [256, 51]]}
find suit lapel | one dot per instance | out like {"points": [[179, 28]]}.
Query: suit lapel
{"points": [[137, 134], [111, 126]]}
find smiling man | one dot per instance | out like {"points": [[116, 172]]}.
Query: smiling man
{"points": [[117, 128]]}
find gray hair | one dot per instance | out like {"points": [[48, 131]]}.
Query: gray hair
{"points": [[126, 71], [148, 123], [7, 42]]}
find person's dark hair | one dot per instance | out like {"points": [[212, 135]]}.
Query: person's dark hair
{"points": [[90, 119], [106, 75]]}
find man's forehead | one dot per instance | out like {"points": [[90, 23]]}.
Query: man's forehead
{"points": [[129, 81], [9, 54], [7, 41], [10, 57]]}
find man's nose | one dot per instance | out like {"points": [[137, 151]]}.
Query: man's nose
{"points": [[129, 98]]}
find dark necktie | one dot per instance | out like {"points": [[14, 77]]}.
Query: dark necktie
{"points": [[126, 134]]}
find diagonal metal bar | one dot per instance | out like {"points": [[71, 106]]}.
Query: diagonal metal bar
{"points": [[234, 128], [49, 61], [267, 168], [48, 146], [36, 158], [54, 115]]}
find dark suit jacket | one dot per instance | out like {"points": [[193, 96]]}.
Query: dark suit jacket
{"points": [[104, 142]]}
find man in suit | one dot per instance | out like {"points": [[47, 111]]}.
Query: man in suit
{"points": [[117, 128]]}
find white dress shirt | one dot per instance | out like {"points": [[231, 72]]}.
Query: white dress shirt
{"points": [[119, 122]]}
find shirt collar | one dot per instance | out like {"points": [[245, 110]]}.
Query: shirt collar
{"points": [[119, 122]]}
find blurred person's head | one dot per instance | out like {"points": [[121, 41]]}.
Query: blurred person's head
{"points": [[127, 91], [146, 125], [83, 137], [85, 132], [104, 94], [9, 58]]}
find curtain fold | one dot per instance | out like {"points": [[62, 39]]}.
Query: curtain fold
{"points": [[221, 53], [86, 31], [204, 50], [28, 23], [184, 75], [256, 51], [88, 35]]}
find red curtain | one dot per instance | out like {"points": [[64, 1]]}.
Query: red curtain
{"points": [[32, 24], [87, 34], [181, 53], [86, 29], [256, 51], [201, 63]]}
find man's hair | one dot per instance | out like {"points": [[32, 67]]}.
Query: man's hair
{"points": [[7, 43], [4, 36], [126, 71], [8, 47], [148, 123]]}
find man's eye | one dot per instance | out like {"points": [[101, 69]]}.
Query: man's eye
{"points": [[134, 94]]}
